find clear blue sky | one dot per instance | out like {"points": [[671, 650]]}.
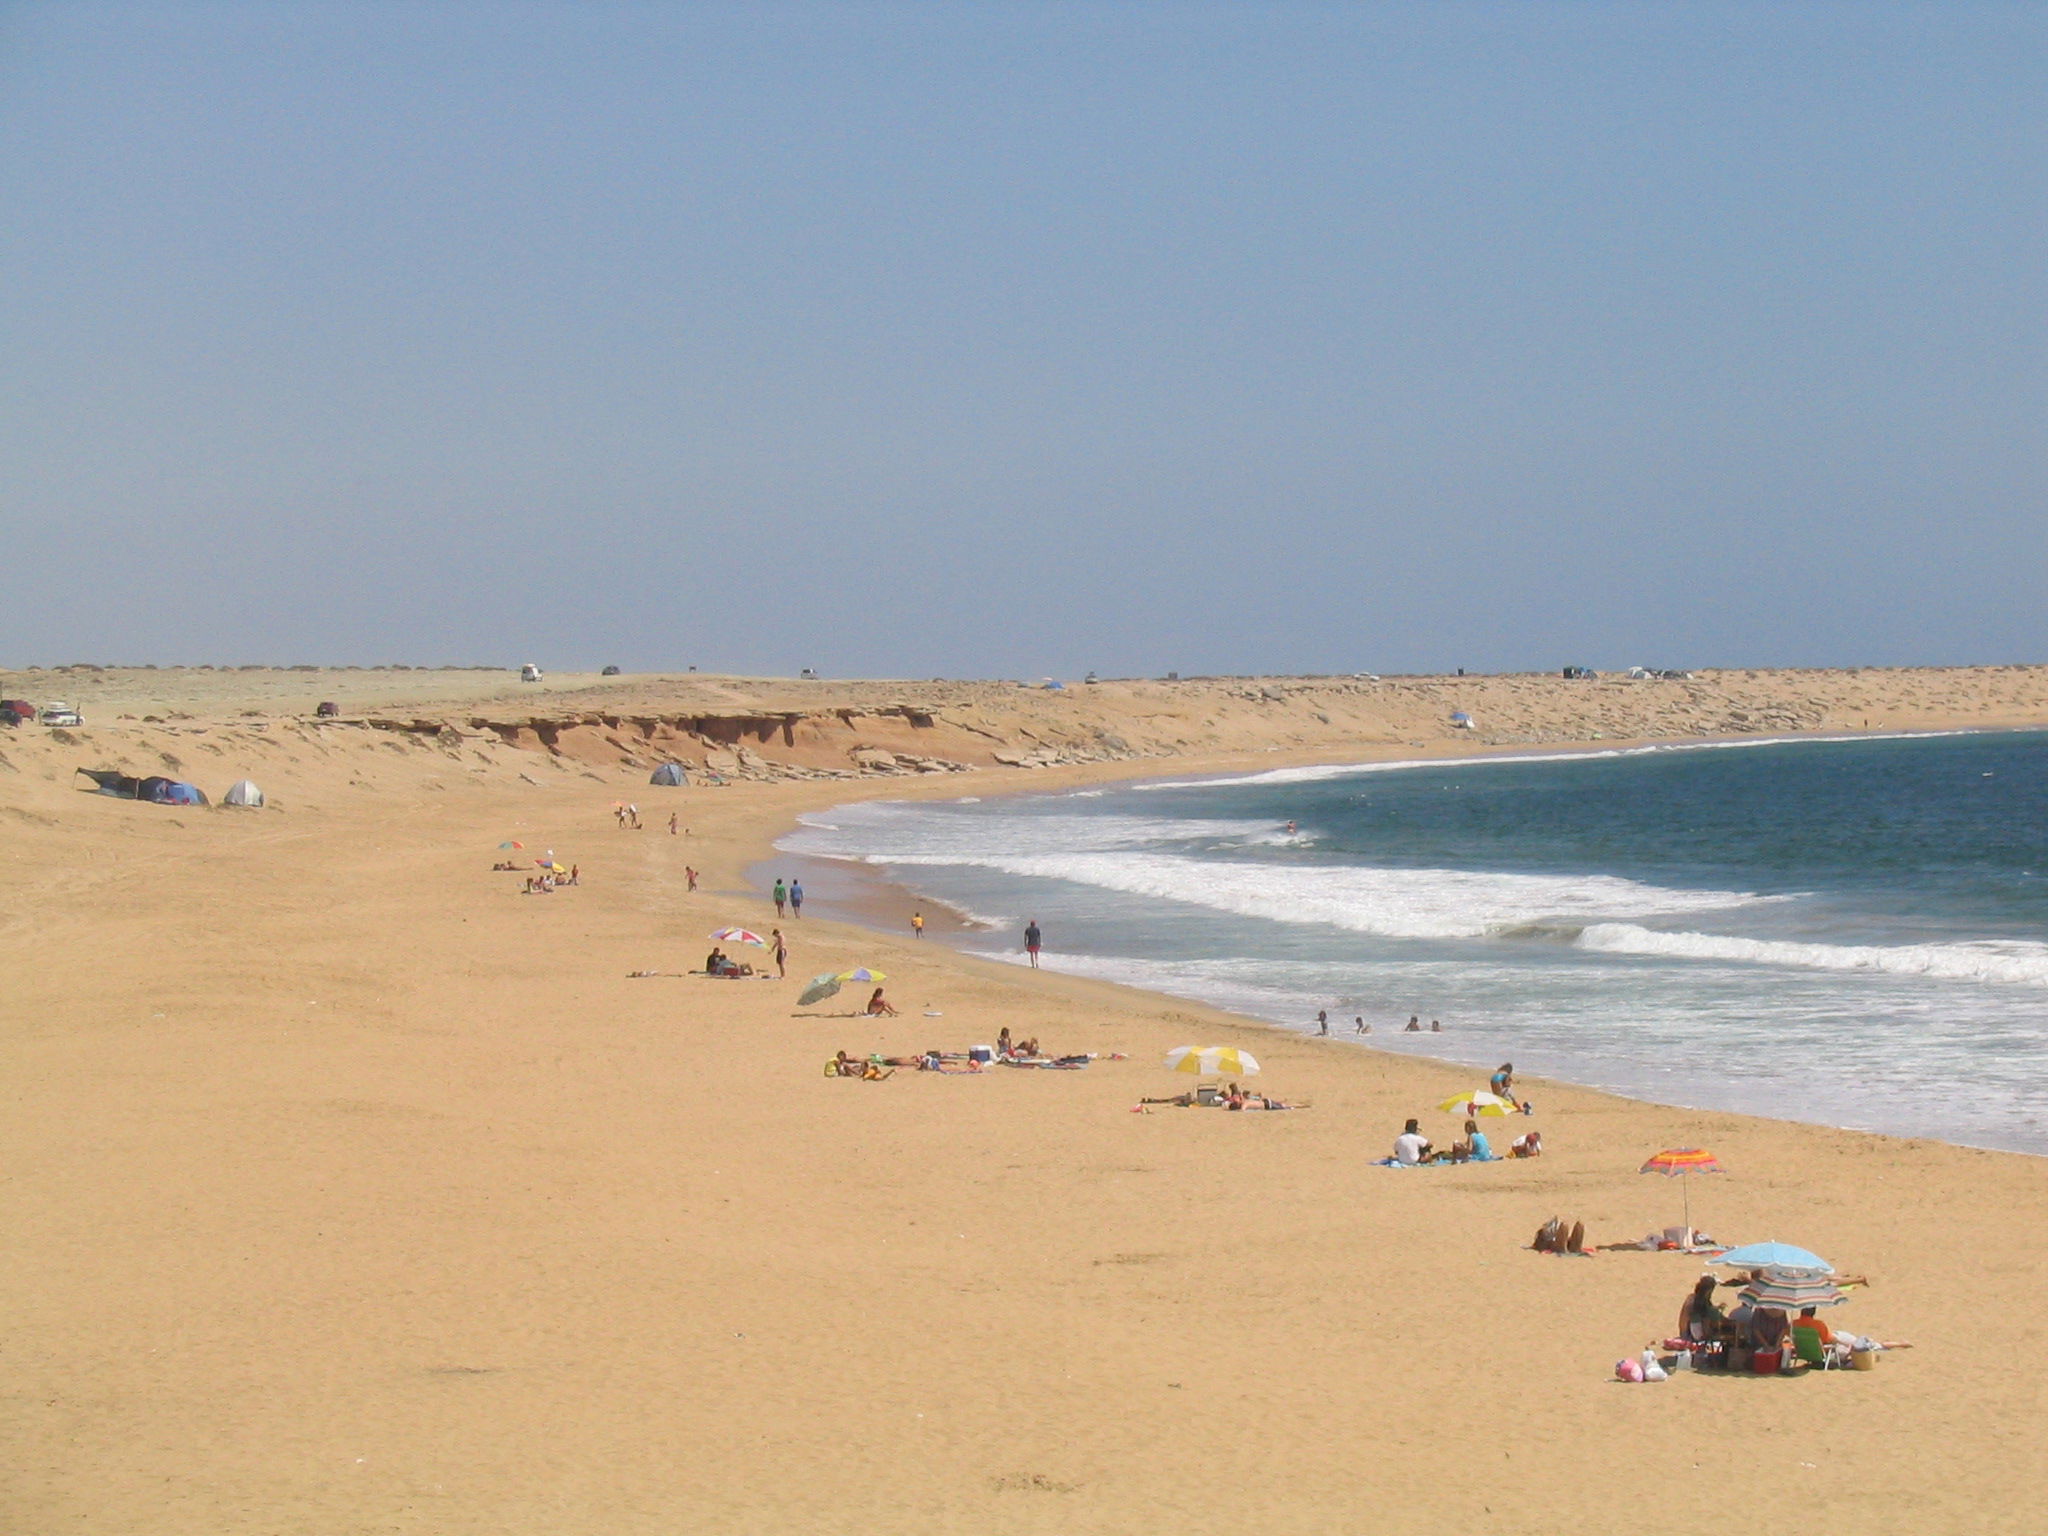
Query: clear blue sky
{"points": [[984, 339]]}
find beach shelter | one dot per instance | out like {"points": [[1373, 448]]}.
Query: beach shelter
{"points": [[1212, 1061], [670, 774], [112, 781], [242, 792], [738, 936]]}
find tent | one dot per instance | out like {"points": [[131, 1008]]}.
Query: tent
{"points": [[670, 773], [242, 792], [168, 792]]}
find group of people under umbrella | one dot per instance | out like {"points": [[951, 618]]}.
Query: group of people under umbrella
{"points": [[1775, 1320]]}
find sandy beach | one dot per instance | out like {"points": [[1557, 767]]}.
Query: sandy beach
{"points": [[353, 1190]]}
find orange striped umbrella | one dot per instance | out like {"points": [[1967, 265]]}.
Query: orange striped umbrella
{"points": [[1678, 1161]]}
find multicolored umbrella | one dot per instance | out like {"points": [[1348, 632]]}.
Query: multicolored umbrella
{"points": [[738, 936], [1212, 1060], [503, 846], [1676, 1162], [1478, 1104], [1792, 1290], [862, 973]]}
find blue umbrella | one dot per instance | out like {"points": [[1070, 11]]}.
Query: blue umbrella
{"points": [[1775, 1256]]}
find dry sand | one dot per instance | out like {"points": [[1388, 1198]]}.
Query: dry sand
{"points": [[351, 1191]]}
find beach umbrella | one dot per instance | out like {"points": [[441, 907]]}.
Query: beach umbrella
{"points": [[1774, 1256], [1681, 1162], [821, 987], [1792, 1290], [503, 846], [862, 973], [1478, 1104], [1212, 1060], [738, 936]]}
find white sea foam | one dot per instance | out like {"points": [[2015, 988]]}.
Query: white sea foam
{"points": [[2007, 962], [1390, 903], [1323, 772]]}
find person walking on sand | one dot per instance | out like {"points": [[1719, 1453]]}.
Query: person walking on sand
{"points": [[780, 896], [690, 875], [1032, 939], [671, 823], [917, 925], [781, 954], [1322, 1021], [796, 898]]}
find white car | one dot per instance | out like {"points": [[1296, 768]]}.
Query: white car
{"points": [[60, 714]]}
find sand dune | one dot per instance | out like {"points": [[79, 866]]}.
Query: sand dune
{"points": [[352, 1190]]}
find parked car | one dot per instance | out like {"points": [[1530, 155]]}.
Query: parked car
{"points": [[609, 672], [16, 712], [529, 673], [59, 713], [328, 709]]}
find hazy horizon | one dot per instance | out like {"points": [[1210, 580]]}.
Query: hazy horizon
{"points": [[1021, 340]]}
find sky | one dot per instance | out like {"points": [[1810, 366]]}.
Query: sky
{"points": [[1002, 340]]}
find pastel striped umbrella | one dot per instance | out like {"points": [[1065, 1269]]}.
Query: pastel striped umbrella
{"points": [[1212, 1060], [738, 936], [1792, 1290], [1676, 1162]]}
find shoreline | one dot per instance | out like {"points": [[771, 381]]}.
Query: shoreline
{"points": [[878, 894]]}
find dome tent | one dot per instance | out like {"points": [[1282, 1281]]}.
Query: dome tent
{"points": [[242, 792], [669, 773]]}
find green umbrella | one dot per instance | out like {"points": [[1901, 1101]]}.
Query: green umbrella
{"points": [[821, 987]]}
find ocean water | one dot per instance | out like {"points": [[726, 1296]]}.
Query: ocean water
{"points": [[1850, 932]]}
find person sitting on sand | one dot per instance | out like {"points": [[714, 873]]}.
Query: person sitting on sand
{"points": [[1528, 1144], [879, 1006], [1003, 1041], [1477, 1148], [1699, 1319], [713, 961], [1410, 1147], [842, 1065], [871, 1071]]}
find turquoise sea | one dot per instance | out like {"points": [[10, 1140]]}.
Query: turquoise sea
{"points": [[1853, 932]]}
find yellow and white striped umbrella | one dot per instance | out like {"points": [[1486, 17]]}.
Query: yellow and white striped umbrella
{"points": [[1212, 1060], [1478, 1103]]}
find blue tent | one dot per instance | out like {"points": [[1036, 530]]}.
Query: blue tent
{"points": [[670, 773], [169, 792]]}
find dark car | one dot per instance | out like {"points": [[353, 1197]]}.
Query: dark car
{"points": [[16, 712], [328, 709], [609, 672]]}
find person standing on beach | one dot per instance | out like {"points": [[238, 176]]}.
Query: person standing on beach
{"points": [[796, 898], [690, 875], [917, 925], [1322, 1021], [1032, 939], [781, 954], [671, 823], [780, 896]]}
